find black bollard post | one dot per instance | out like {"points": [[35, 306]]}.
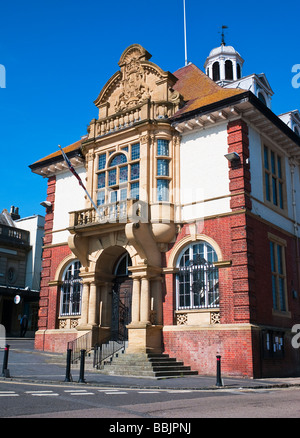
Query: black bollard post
{"points": [[68, 366], [81, 372], [5, 371], [219, 379]]}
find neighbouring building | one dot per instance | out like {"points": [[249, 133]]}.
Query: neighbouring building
{"points": [[21, 241], [194, 247]]}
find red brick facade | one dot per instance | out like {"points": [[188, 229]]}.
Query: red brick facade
{"points": [[246, 303], [49, 296], [245, 287]]}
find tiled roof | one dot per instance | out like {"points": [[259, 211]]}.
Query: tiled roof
{"points": [[72, 147], [198, 89]]}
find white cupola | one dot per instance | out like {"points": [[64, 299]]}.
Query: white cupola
{"points": [[224, 64]]}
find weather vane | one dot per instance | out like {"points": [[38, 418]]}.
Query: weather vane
{"points": [[223, 41]]}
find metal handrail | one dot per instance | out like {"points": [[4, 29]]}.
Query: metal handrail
{"points": [[83, 342], [107, 348]]}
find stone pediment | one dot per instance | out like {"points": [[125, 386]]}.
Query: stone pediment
{"points": [[138, 82]]}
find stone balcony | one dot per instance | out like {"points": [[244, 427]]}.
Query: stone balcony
{"points": [[160, 215], [14, 236], [116, 212]]}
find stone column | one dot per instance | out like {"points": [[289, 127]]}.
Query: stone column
{"points": [[145, 300], [222, 69], [85, 303], [105, 320], [234, 67], [157, 300], [92, 318], [135, 307]]}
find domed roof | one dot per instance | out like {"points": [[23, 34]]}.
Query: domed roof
{"points": [[223, 50], [229, 50]]}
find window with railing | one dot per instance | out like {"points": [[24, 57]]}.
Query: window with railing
{"points": [[197, 282], [71, 290]]}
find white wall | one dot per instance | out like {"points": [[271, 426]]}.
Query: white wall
{"points": [[35, 226], [204, 176], [69, 196], [283, 220], [204, 172]]}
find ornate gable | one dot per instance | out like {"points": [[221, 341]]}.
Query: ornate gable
{"points": [[139, 91]]}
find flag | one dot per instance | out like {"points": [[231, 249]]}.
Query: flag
{"points": [[78, 178], [72, 168]]}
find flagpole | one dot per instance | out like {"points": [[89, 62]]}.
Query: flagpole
{"points": [[184, 22], [79, 179]]}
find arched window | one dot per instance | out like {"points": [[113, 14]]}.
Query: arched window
{"points": [[216, 71], [198, 278], [70, 295], [228, 70], [121, 269], [238, 71]]}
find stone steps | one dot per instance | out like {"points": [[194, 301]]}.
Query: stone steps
{"points": [[146, 365]]}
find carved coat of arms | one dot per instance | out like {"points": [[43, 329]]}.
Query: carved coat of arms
{"points": [[134, 87]]}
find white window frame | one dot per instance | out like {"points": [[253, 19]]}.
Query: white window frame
{"points": [[190, 269], [70, 270]]}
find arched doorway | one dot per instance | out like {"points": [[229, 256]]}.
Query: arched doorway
{"points": [[121, 298]]}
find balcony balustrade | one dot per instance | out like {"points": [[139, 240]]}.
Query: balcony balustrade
{"points": [[123, 212], [117, 212], [14, 236]]}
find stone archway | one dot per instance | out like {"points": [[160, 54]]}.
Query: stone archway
{"points": [[99, 256]]}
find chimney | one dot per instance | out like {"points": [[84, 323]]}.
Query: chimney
{"points": [[14, 213]]}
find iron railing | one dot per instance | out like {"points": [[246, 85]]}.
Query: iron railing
{"points": [[103, 350], [107, 348], [198, 285], [83, 342]]}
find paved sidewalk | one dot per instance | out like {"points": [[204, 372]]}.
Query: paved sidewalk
{"points": [[27, 364]]}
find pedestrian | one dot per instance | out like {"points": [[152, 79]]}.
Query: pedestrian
{"points": [[24, 325]]}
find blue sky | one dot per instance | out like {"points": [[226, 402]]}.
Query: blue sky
{"points": [[58, 55]]}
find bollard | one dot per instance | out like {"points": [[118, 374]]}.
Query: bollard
{"points": [[81, 372], [5, 371], [219, 379], [68, 366]]}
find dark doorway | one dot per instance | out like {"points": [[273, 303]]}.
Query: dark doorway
{"points": [[7, 315], [121, 298]]}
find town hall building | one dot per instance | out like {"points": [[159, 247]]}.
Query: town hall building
{"points": [[193, 250]]}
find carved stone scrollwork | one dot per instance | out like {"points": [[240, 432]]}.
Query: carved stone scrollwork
{"points": [[62, 323], [144, 139], [134, 87], [74, 323], [140, 89], [182, 319], [215, 318]]}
